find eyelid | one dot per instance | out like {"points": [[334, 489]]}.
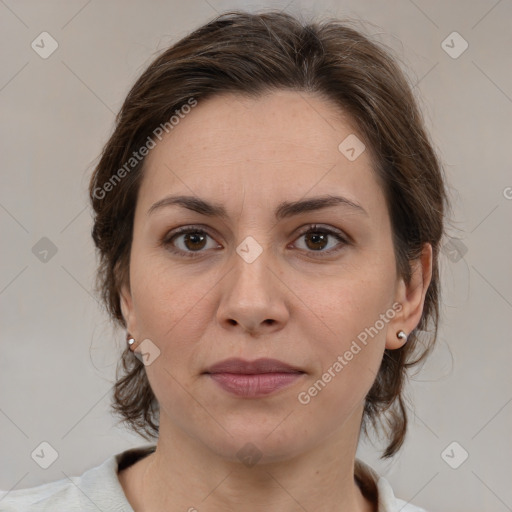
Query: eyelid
{"points": [[326, 229], [185, 229]]}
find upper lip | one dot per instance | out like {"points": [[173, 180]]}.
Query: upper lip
{"points": [[263, 365]]}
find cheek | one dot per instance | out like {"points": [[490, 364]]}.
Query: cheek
{"points": [[174, 310], [347, 349], [163, 295], [345, 303], [346, 319]]}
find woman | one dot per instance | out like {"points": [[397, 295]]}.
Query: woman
{"points": [[268, 215]]}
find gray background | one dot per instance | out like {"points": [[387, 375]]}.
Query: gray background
{"points": [[58, 350]]}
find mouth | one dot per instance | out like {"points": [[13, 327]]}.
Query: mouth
{"points": [[252, 379], [258, 366]]}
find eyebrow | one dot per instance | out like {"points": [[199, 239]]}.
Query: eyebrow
{"points": [[283, 210]]}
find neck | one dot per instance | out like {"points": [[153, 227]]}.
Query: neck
{"points": [[182, 474]]}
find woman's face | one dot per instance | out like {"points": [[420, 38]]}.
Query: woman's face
{"points": [[254, 283]]}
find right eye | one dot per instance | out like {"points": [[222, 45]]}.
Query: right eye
{"points": [[187, 241]]}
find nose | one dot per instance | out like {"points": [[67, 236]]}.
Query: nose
{"points": [[253, 297]]}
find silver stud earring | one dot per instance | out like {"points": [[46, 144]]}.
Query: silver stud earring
{"points": [[130, 341], [401, 335]]}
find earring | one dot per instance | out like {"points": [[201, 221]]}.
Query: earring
{"points": [[401, 335], [130, 340]]}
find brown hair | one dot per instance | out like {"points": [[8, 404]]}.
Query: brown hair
{"points": [[253, 54]]}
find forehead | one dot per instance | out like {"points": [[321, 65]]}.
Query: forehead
{"points": [[233, 122], [281, 143]]}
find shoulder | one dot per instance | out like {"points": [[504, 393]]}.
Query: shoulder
{"points": [[403, 506], [62, 493], [389, 503], [96, 489], [379, 490]]}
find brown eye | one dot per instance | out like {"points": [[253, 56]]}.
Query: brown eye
{"points": [[187, 241], [316, 239], [194, 240]]}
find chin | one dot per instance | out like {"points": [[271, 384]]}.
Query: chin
{"points": [[250, 443]]}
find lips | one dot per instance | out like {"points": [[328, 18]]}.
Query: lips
{"points": [[253, 379], [258, 366]]}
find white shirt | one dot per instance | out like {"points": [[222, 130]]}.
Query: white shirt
{"points": [[99, 489]]}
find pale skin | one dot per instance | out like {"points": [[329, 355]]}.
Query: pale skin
{"points": [[290, 303]]}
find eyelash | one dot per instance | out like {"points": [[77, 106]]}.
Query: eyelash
{"points": [[312, 228]]}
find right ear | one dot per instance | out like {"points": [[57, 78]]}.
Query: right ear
{"points": [[128, 311]]}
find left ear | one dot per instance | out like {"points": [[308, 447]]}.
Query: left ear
{"points": [[412, 298]]}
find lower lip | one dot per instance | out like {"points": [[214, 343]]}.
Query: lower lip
{"points": [[251, 386]]}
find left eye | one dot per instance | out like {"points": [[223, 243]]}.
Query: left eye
{"points": [[192, 241], [316, 239]]}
